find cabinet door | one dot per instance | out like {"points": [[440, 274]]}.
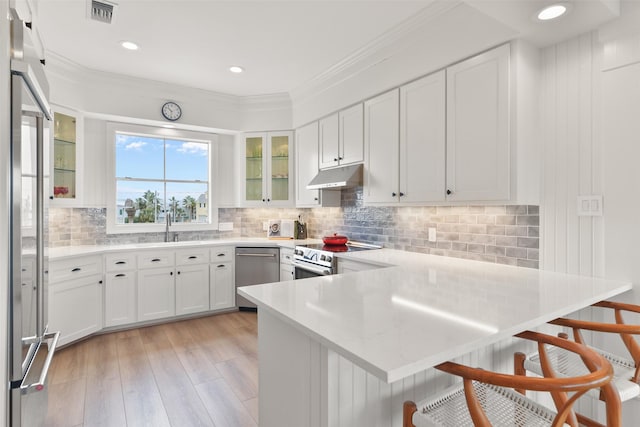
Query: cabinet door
{"points": [[222, 290], [286, 272], [254, 164], [156, 293], [192, 289], [381, 133], [280, 169], [306, 165], [478, 159], [422, 140], [328, 131], [351, 135], [75, 308], [66, 157], [120, 298]]}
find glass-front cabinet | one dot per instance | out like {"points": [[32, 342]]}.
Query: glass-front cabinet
{"points": [[67, 128], [268, 169]]}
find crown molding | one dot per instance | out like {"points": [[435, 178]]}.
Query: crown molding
{"points": [[368, 55], [73, 72]]}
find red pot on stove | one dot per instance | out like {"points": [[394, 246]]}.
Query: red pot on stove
{"points": [[335, 239]]}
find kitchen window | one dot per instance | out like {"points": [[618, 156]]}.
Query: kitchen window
{"points": [[159, 174]]}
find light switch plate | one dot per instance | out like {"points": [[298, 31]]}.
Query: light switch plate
{"points": [[225, 226], [432, 234], [265, 225], [590, 205]]}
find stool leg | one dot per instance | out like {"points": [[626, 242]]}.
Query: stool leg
{"points": [[407, 413], [518, 368]]}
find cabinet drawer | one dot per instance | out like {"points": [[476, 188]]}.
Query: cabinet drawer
{"points": [[192, 256], [72, 268], [156, 259], [222, 254], [120, 262], [286, 256]]}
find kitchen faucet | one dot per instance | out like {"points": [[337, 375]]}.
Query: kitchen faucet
{"points": [[166, 229]]}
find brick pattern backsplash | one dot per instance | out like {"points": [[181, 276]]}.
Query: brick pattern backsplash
{"points": [[505, 234]]}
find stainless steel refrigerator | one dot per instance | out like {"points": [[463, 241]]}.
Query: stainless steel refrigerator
{"points": [[31, 345]]}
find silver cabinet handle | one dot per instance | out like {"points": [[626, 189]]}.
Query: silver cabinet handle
{"points": [[75, 270], [120, 275], [221, 254], [222, 266], [155, 260], [120, 262], [193, 257]]}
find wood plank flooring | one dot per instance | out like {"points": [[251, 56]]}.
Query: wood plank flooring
{"points": [[199, 372]]}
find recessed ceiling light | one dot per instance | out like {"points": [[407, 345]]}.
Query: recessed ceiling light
{"points": [[129, 45], [552, 12], [236, 69]]}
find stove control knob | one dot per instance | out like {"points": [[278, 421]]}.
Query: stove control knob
{"points": [[328, 259], [298, 252], [323, 257]]}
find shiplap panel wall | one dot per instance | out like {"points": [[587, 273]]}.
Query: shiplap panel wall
{"points": [[570, 102]]}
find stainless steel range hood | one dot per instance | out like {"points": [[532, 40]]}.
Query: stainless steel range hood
{"points": [[341, 177]]}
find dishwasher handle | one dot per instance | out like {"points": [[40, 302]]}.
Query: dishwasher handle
{"points": [[258, 255]]}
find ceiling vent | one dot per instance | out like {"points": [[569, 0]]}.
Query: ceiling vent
{"points": [[101, 11]]}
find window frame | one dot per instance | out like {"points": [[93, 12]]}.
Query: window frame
{"points": [[158, 132]]}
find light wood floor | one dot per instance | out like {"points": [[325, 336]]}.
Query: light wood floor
{"points": [[200, 372]]}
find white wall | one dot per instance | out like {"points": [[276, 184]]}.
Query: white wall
{"points": [[590, 126], [570, 102], [116, 96]]}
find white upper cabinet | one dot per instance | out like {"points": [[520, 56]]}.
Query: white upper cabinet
{"points": [[341, 138], [268, 169], [422, 140], [478, 140], [66, 158], [381, 134], [306, 165]]}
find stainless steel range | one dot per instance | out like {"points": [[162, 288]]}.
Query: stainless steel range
{"points": [[320, 260]]}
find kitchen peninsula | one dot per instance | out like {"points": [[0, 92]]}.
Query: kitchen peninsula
{"points": [[348, 349]]}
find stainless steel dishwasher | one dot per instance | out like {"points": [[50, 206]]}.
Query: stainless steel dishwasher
{"points": [[255, 266]]}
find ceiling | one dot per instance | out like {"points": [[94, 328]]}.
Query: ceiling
{"points": [[281, 44]]}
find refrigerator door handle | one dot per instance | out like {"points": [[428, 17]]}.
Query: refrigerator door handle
{"points": [[41, 321], [42, 378]]}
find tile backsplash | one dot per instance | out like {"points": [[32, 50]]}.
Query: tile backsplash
{"points": [[506, 234]]}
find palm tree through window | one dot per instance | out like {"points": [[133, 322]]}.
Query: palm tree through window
{"points": [[158, 177]]}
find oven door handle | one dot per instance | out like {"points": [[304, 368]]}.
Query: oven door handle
{"points": [[323, 271]]}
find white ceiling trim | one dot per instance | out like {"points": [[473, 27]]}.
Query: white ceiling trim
{"points": [[73, 72], [365, 57]]}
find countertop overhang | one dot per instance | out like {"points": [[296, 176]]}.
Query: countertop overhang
{"points": [[424, 309]]}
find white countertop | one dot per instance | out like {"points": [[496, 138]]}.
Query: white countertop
{"points": [[70, 251], [400, 320]]}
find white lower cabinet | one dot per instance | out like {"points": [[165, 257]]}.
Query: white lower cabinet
{"points": [[222, 287], [156, 293], [287, 271], [120, 296], [192, 289], [75, 307]]}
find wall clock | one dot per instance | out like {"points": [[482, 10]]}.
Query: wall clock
{"points": [[171, 111]]}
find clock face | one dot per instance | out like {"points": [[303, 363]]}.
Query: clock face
{"points": [[171, 111]]}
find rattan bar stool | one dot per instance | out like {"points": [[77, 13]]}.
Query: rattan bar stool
{"points": [[486, 398], [626, 368]]}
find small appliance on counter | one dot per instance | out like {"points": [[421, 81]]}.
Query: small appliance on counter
{"points": [[281, 229]]}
